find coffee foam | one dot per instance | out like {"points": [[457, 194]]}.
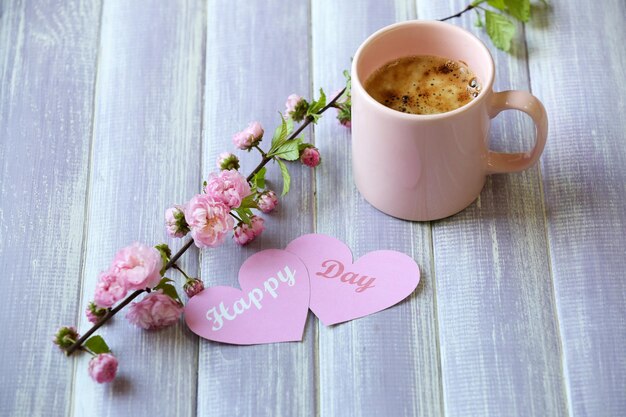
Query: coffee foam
{"points": [[423, 84]]}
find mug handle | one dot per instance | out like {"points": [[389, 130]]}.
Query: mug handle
{"points": [[501, 162]]}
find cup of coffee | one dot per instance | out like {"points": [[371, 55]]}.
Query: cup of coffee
{"points": [[422, 104]]}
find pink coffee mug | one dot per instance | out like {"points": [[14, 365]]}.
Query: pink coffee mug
{"points": [[426, 167]]}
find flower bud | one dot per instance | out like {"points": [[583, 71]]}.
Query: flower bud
{"points": [[267, 201], [102, 368], [243, 234], [257, 224], [193, 287], [227, 161], [310, 156], [94, 313], [65, 337], [175, 223], [249, 137], [296, 107]]}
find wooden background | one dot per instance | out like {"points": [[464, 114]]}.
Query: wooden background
{"points": [[112, 110]]}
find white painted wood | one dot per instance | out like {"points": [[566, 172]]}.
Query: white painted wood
{"points": [[47, 49], [145, 157], [500, 347], [386, 364], [257, 54], [578, 66]]}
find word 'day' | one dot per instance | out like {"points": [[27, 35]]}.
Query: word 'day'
{"points": [[343, 290], [335, 269], [271, 306]]}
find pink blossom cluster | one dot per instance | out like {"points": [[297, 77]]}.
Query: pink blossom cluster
{"points": [[246, 233], [267, 201], [207, 216], [134, 267], [155, 311], [310, 157], [249, 137], [102, 368]]}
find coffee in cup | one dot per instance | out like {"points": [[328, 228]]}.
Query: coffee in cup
{"points": [[423, 84]]}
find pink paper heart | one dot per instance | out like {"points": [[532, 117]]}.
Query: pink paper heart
{"points": [[342, 290], [271, 306]]}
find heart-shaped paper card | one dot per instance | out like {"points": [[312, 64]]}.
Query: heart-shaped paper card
{"points": [[271, 306], [342, 290]]}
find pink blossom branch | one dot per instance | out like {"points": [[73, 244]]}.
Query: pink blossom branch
{"points": [[112, 312], [306, 122]]}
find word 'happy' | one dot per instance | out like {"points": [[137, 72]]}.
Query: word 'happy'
{"points": [[254, 298], [334, 269]]}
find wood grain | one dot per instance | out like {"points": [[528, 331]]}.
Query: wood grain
{"points": [[256, 57], [577, 64], [47, 74], [147, 128], [500, 349], [386, 364]]}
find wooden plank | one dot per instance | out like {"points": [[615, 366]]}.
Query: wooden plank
{"points": [[47, 74], [500, 348], [257, 54], [145, 157], [388, 363], [584, 183]]}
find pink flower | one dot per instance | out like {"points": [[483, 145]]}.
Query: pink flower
{"points": [[109, 290], [267, 201], [193, 287], [155, 311], [94, 313], [137, 266], [296, 107], [175, 223], [257, 224], [310, 157], [102, 368], [227, 160], [243, 234], [248, 137], [228, 187], [208, 220], [291, 103]]}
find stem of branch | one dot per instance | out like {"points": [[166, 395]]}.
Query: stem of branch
{"points": [[307, 121], [107, 317], [467, 9]]}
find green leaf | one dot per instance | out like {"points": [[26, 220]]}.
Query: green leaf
{"points": [[258, 181], [500, 30], [286, 177], [519, 9], [477, 2], [280, 134], [168, 289], [97, 345], [166, 254], [288, 150], [248, 202], [316, 106], [497, 4], [244, 214], [289, 122]]}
